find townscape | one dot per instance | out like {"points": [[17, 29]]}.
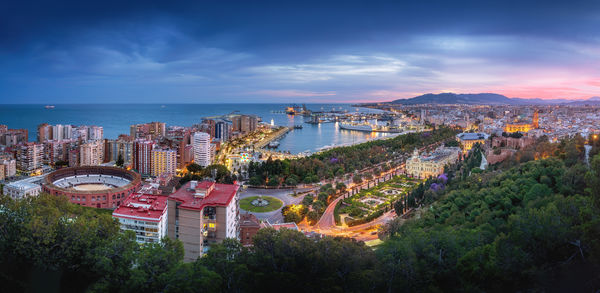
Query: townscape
{"points": [[300, 146]]}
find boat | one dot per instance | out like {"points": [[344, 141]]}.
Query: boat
{"points": [[356, 126], [49, 106], [274, 144], [299, 126]]}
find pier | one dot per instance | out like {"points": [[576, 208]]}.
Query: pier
{"points": [[272, 136]]}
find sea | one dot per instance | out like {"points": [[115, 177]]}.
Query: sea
{"points": [[116, 119]]}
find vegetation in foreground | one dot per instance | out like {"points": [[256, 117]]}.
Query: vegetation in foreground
{"points": [[531, 225]]}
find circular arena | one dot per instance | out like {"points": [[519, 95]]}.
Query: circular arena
{"points": [[93, 186]]}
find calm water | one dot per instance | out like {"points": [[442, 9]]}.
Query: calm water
{"points": [[116, 118]]}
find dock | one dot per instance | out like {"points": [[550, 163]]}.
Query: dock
{"points": [[271, 137]]}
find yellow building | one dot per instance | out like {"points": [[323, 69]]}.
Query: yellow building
{"points": [[468, 140], [163, 161], [431, 165], [523, 127]]}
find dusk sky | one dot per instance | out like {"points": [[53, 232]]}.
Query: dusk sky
{"points": [[295, 51]]}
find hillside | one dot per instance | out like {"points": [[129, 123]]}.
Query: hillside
{"points": [[484, 98]]}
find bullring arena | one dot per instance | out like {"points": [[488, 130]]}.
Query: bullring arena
{"points": [[93, 186]]}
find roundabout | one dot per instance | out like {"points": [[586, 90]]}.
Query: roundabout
{"points": [[260, 204]]}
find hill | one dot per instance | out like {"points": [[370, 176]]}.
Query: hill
{"points": [[486, 99]]}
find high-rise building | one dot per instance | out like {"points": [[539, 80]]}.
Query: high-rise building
{"points": [[142, 156], [222, 129], [44, 132], [74, 156], [13, 137], [152, 130], [30, 156], [123, 146], [201, 143], [201, 214], [91, 153], [95, 132], [164, 161]]}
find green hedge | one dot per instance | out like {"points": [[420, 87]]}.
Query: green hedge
{"points": [[366, 219]]}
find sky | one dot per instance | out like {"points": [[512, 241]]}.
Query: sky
{"points": [[295, 51]]}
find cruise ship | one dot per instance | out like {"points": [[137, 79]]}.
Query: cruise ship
{"points": [[356, 126]]}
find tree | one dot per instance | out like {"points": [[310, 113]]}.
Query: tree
{"points": [[194, 168], [357, 179], [120, 162]]}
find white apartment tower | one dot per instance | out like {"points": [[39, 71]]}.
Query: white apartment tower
{"points": [[202, 151]]}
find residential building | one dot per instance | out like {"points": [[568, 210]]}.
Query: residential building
{"points": [[13, 137], [44, 132], [202, 149], [222, 129], [123, 147], [164, 161], [91, 153], [152, 130], [142, 156], [202, 214], [30, 156], [249, 226], [9, 167], [145, 215]]}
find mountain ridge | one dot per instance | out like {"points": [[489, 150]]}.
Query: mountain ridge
{"points": [[485, 98]]}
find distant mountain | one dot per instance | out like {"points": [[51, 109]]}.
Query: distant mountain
{"points": [[485, 99]]}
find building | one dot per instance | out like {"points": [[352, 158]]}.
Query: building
{"points": [[30, 157], [519, 126], [44, 132], [222, 130], [93, 186], [21, 189], [164, 161], [142, 156], [431, 165], [121, 147], [249, 226], [152, 130], [202, 214], [60, 132], [9, 167], [468, 140], [12, 137], [91, 153], [95, 132], [145, 215], [202, 150]]}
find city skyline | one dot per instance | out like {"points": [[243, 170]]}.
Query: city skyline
{"points": [[309, 52]]}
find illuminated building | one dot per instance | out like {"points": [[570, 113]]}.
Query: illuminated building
{"points": [[523, 126], [431, 165], [145, 215], [92, 186], [164, 161], [152, 130], [142, 156], [202, 149], [468, 140], [30, 156], [202, 214]]}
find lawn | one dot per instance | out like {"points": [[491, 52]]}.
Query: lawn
{"points": [[274, 204]]}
